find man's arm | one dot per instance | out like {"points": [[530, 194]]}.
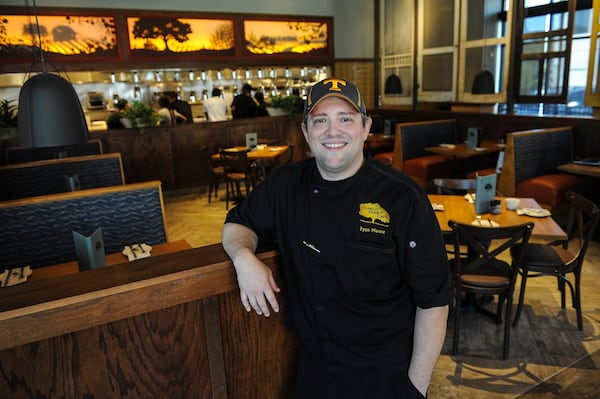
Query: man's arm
{"points": [[257, 285], [429, 336]]}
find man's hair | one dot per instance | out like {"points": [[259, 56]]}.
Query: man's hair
{"points": [[163, 102], [246, 88], [121, 104], [216, 92]]}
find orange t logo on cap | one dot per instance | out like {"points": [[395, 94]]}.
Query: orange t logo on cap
{"points": [[335, 84]]}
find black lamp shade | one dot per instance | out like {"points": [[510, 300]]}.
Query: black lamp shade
{"points": [[483, 83], [50, 113], [393, 85]]}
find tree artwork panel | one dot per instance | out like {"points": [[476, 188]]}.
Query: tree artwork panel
{"points": [[151, 36], [69, 36]]}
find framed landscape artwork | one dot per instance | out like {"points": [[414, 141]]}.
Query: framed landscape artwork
{"points": [[63, 37], [151, 37], [289, 38]]}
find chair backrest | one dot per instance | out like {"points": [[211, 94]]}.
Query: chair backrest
{"points": [[486, 244], [209, 151], [290, 157], [454, 186], [582, 222], [235, 161]]}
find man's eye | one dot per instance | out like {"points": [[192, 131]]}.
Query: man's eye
{"points": [[318, 121], [346, 119]]}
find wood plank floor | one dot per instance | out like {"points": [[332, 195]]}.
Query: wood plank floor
{"points": [[549, 357]]}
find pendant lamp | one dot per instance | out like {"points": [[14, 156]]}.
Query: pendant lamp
{"points": [[50, 112], [393, 85]]}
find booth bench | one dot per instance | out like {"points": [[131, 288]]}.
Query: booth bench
{"points": [[531, 159]]}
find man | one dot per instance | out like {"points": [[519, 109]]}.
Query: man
{"points": [[180, 106], [364, 263], [215, 107], [243, 105]]}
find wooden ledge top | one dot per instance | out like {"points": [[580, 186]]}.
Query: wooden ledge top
{"points": [[50, 307]]}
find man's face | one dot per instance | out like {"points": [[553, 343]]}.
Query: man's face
{"points": [[335, 134]]}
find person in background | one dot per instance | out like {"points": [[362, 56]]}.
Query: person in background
{"points": [[262, 105], [215, 107], [182, 107], [115, 120], [299, 100], [363, 260], [168, 116], [243, 105]]}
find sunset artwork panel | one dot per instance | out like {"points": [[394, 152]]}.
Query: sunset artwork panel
{"points": [[151, 36], [286, 37], [71, 36]]}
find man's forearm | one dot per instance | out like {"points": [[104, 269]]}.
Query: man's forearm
{"points": [[238, 239], [429, 336]]}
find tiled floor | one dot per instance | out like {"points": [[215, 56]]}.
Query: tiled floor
{"points": [[549, 358]]}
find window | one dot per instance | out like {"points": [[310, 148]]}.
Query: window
{"points": [[484, 49], [552, 56], [397, 60], [543, 50], [437, 56]]}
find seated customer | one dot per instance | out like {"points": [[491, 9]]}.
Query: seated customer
{"points": [[115, 120]]}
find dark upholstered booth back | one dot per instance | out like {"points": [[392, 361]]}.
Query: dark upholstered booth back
{"points": [[39, 231], [32, 179]]}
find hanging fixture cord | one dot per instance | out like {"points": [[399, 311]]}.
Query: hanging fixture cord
{"points": [[37, 24]]}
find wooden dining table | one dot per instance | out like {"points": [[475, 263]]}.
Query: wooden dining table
{"points": [[457, 208], [259, 153], [462, 150], [580, 169]]}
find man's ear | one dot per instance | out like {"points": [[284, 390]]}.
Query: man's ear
{"points": [[304, 131], [368, 124]]}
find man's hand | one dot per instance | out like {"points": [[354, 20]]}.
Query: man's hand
{"points": [[257, 286]]}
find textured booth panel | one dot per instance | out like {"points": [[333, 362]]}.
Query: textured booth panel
{"points": [[415, 138], [39, 232], [411, 139], [540, 154], [30, 154], [530, 166], [48, 177]]}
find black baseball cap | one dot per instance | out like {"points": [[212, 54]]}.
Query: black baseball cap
{"points": [[334, 87]]}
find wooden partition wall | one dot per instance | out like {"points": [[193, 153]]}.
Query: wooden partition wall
{"points": [[174, 155], [170, 326]]}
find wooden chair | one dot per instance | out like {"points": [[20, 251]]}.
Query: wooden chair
{"points": [[238, 169], [557, 259], [454, 186], [484, 273], [450, 186], [216, 171]]}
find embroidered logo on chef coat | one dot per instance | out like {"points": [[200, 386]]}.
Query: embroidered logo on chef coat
{"points": [[374, 218]]}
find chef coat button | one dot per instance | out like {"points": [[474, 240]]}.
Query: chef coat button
{"points": [[321, 308]]}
